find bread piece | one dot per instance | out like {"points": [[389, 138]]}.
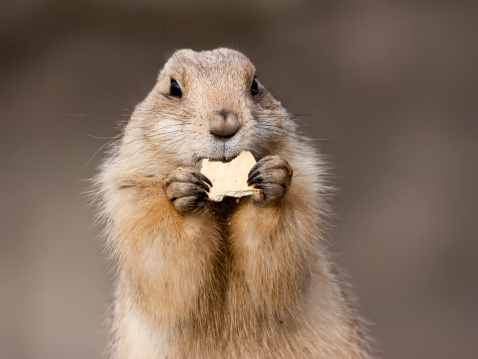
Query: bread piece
{"points": [[229, 179]]}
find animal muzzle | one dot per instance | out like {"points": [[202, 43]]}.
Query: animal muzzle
{"points": [[224, 124]]}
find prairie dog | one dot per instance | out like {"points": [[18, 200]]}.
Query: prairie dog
{"points": [[236, 279]]}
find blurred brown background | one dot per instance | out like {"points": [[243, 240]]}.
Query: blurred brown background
{"points": [[392, 86]]}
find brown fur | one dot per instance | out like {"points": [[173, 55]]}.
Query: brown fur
{"points": [[235, 279]]}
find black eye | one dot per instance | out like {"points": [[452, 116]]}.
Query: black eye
{"points": [[175, 90], [254, 89]]}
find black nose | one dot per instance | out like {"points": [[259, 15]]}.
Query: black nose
{"points": [[224, 123]]}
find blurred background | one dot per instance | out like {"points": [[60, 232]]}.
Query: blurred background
{"points": [[391, 85]]}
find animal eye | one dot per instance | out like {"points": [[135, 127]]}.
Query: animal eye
{"points": [[174, 89], [254, 89]]}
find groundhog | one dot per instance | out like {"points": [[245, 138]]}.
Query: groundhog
{"points": [[240, 278]]}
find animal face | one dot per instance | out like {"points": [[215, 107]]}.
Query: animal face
{"points": [[210, 105]]}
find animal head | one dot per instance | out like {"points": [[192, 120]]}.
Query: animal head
{"points": [[207, 104]]}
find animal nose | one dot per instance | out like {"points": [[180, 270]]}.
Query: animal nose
{"points": [[224, 123]]}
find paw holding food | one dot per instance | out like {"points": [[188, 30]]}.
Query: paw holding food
{"points": [[273, 175], [230, 179], [186, 189]]}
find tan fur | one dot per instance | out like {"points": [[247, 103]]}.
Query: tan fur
{"points": [[230, 280]]}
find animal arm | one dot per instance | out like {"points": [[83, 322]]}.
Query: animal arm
{"points": [[273, 248], [172, 270]]}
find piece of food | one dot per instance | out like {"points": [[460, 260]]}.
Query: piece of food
{"points": [[229, 179]]}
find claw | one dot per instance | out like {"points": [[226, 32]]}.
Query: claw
{"points": [[202, 185], [260, 186], [255, 169], [253, 172], [200, 192], [255, 179], [203, 178]]}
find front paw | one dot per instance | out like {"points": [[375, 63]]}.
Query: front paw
{"points": [[273, 175], [186, 189]]}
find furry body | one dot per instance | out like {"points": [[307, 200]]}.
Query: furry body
{"points": [[235, 279]]}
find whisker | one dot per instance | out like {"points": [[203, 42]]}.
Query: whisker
{"points": [[98, 150], [157, 135], [300, 136], [101, 138], [282, 131]]}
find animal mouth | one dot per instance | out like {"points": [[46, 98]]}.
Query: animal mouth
{"points": [[224, 159], [222, 137], [225, 150]]}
